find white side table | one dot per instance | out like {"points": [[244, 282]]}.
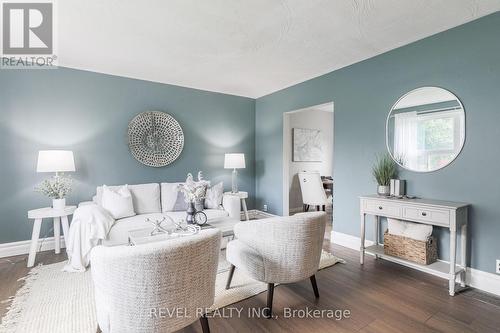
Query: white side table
{"points": [[242, 195], [59, 216]]}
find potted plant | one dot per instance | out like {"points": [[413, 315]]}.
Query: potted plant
{"points": [[383, 171], [56, 188]]}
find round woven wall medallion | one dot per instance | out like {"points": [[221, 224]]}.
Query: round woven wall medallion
{"points": [[155, 138]]}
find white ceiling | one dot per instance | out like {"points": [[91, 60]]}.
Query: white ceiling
{"points": [[247, 48]]}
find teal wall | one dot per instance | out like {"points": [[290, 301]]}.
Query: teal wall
{"points": [[464, 60], [88, 113]]}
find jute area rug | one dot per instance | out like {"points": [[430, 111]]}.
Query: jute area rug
{"points": [[52, 301]]}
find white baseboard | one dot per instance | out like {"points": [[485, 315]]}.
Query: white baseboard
{"points": [[23, 247], [256, 214], [348, 241], [485, 281], [475, 278]]}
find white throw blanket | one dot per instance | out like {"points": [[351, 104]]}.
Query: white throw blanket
{"points": [[90, 224], [411, 230]]}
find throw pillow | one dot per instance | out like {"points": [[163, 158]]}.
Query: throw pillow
{"points": [[213, 197], [180, 203], [118, 202]]}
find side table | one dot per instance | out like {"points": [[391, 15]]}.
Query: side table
{"points": [[60, 216], [242, 196]]}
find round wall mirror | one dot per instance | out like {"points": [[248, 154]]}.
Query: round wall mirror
{"points": [[426, 129]]}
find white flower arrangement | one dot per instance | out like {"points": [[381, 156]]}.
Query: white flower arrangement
{"points": [[192, 190], [56, 188]]}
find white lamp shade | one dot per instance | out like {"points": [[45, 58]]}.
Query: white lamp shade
{"points": [[55, 161], [234, 161]]}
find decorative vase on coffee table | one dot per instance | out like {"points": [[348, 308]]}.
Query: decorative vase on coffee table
{"points": [[190, 213]]}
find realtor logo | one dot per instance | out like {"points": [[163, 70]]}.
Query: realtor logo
{"points": [[27, 35]]}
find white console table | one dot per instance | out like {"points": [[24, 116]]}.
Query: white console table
{"points": [[446, 214]]}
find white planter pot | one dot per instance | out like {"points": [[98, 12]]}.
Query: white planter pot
{"points": [[383, 190], [59, 204]]}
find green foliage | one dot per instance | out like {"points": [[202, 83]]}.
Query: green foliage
{"points": [[384, 170], [57, 187], [435, 134]]}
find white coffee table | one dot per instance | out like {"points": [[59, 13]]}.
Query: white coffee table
{"points": [[143, 236], [225, 225], [60, 216]]}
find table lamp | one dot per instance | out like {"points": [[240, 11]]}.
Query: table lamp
{"points": [[55, 161], [234, 161]]}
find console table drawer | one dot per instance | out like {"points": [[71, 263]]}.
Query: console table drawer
{"points": [[382, 208], [434, 216]]}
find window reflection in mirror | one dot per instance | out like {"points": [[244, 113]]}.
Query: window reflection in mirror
{"points": [[426, 129]]}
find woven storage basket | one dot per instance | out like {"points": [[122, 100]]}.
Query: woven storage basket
{"points": [[420, 252]]}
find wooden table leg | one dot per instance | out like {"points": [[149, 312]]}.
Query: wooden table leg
{"points": [[65, 227], [362, 247], [57, 234], [244, 204], [34, 241], [463, 249], [453, 257]]}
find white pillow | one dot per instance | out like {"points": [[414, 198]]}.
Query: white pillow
{"points": [[418, 231], [213, 196], [169, 195], [396, 227], [118, 202], [146, 197]]}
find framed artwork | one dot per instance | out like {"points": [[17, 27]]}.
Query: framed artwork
{"points": [[307, 145]]}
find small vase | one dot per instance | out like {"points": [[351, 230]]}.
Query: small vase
{"points": [[59, 204], [384, 190], [190, 213]]}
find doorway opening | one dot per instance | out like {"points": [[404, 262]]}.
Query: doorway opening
{"points": [[308, 153]]}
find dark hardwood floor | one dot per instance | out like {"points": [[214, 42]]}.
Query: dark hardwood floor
{"points": [[381, 297]]}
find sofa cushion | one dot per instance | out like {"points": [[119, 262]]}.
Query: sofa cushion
{"points": [[118, 201], [118, 235], [171, 199], [146, 197], [214, 194]]}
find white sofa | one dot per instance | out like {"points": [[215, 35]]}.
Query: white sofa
{"points": [[155, 201]]}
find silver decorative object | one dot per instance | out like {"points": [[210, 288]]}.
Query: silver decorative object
{"points": [[155, 138], [398, 187], [157, 228]]}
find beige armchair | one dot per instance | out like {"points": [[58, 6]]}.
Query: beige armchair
{"points": [[278, 250], [142, 288]]}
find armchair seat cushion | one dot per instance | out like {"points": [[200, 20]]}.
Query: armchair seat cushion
{"points": [[247, 259], [278, 250]]}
